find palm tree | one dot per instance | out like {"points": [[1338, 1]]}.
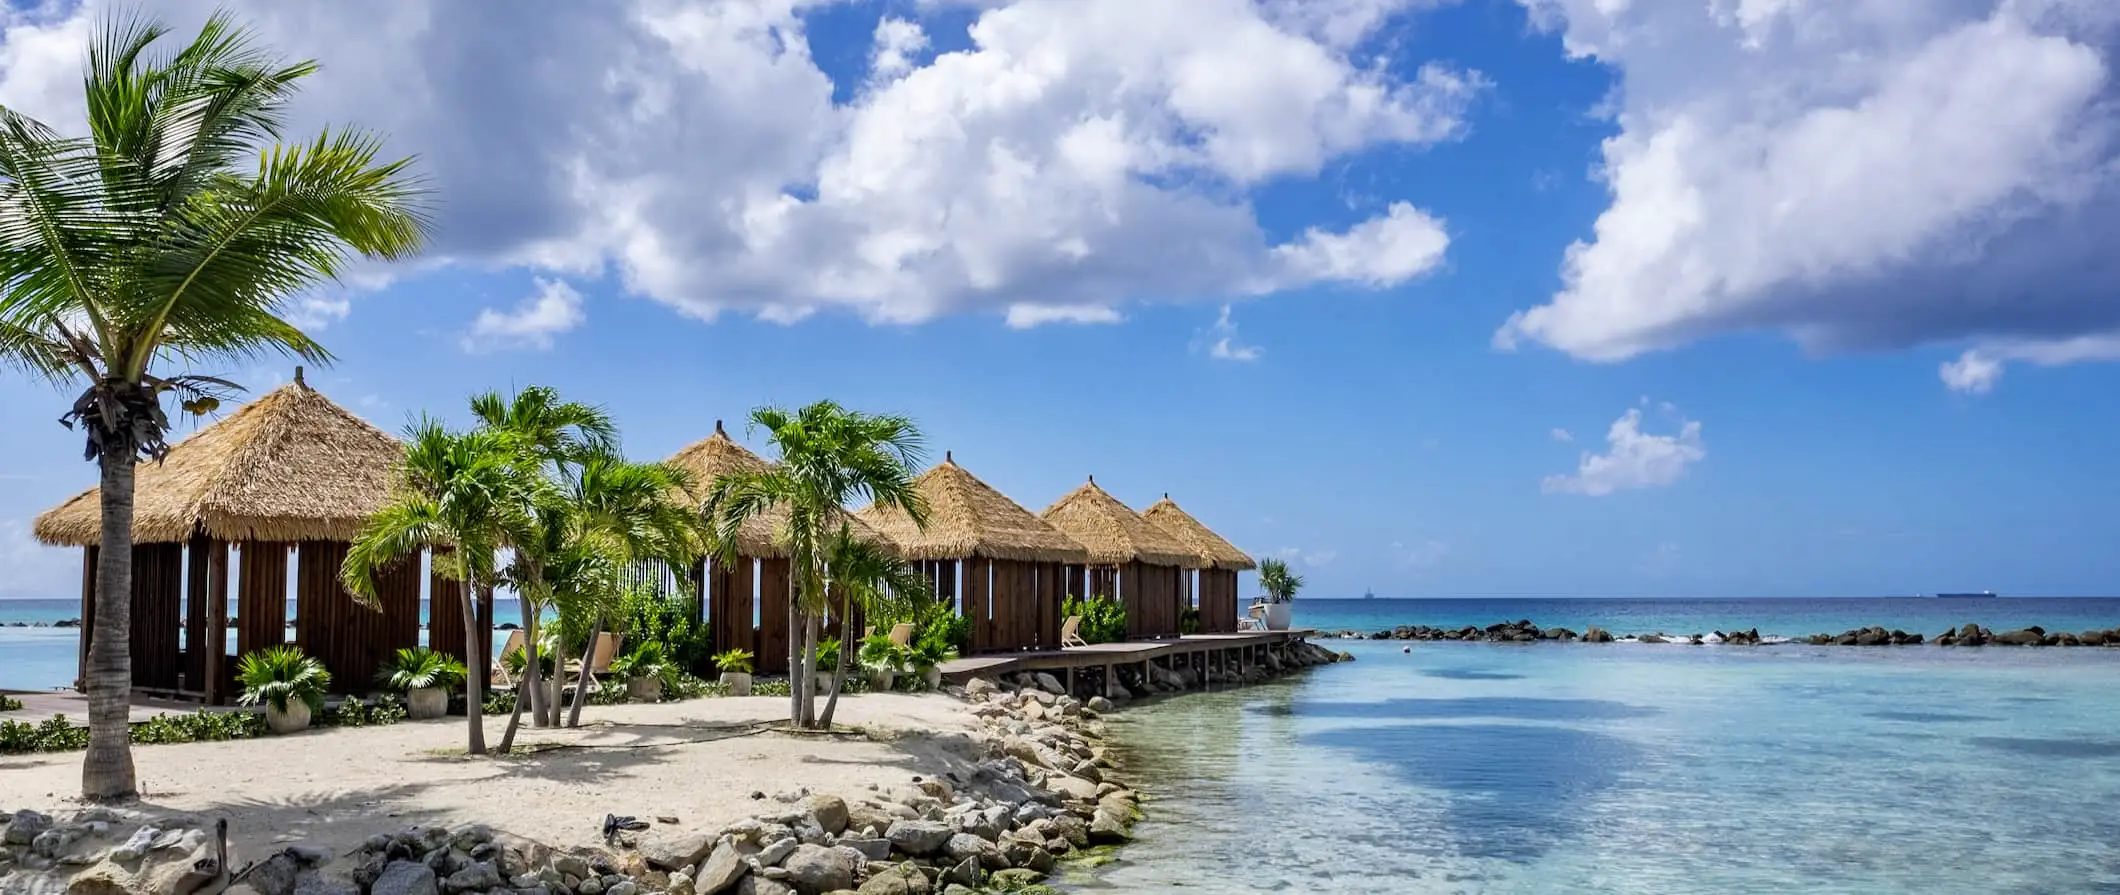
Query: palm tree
{"points": [[623, 513], [861, 573], [1279, 584], [829, 457], [177, 230], [466, 491], [553, 436]]}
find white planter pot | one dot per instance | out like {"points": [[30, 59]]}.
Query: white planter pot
{"points": [[294, 720], [933, 678], [426, 702], [881, 679], [1279, 616], [824, 682], [738, 682], [644, 689]]}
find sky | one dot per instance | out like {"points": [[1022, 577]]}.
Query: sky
{"points": [[1430, 298]]}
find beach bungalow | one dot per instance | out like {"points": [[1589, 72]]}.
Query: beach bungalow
{"points": [[746, 601], [1220, 561], [1128, 558], [1002, 566], [272, 493]]}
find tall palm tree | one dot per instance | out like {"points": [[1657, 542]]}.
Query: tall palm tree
{"points": [[177, 230], [466, 491], [861, 573], [554, 437], [623, 513], [829, 457]]}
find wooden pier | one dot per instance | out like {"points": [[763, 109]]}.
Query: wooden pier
{"points": [[1238, 652]]}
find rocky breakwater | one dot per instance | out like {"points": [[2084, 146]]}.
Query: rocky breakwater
{"points": [[106, 850], [1970, 635], [1524, 631]]}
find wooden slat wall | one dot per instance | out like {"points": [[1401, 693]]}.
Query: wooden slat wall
{"points": [[195, 611], [1138, 624], [774, 584], [445, 609], [219, 673], [323, 620], [395, 625], [157, 615], [1051, 587], [88, 613], [977, 607], [1023, 613], [1218, 601], [1074, 583], [732, 605], [261, 597]]}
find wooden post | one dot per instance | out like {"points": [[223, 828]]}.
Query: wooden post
{"points": [[1111, 679], [216, 644], [195, 600], [88, 612]]}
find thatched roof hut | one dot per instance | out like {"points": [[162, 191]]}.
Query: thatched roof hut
{"points": [[967, 518], [289, 466], [718, 455], [1115, 534], [1213, 550]]}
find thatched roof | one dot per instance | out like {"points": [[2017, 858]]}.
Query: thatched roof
{"points": [[1114, 533], [968, 518], [718, 455], [289, 466], [1213, 550]]}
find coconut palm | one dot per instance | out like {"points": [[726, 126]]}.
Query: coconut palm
{"points": [[178, 229], [467, 491], [829, 457], [1279, 584], [553, 436], [861, 573]]}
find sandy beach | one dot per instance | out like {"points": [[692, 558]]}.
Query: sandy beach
{"points": [[698, 761]]}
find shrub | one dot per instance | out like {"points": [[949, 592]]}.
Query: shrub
{"points": [[388, 709], [684, 686], [9, 704], [736, 660], [878, 652], [54, 735], [1189, 621], [199, 726], [277, 676], [417, 668], [670, 621], [644, 660], [828, 655], [948, 627], [771, 688], [1103, 618], [499, 702]]}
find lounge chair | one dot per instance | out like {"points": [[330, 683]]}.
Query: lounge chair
{"points": [[1255, 621], [1071, 632], [599, 660], [513, 645], [902, 634]]}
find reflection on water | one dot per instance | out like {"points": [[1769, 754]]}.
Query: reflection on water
{"points": [[1463, 768]]}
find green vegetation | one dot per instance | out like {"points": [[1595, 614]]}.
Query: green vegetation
{"points": [[199, 726], [418, 668], [387, 709], [670, 621], [9, 704], [735, 660], [1189, 621], [1103, 618], [644, 661], [279, 676], [1277, 582], [54, 735]]}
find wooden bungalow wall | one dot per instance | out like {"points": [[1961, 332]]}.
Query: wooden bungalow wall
{"points": [[1012, 605], [775, 582], [351, 639], [1150, 595], [156, 614], [1218, 601]]}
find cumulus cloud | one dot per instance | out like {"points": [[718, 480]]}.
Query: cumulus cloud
{"points": [[1857, 175], [1562, 436], [317, 312], [555, 308], [1976, 371], [1632, 459], [35, 571], [1080, 154], [1221, 341]]}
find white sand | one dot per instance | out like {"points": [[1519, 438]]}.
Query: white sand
{"points": [[698, 761]]}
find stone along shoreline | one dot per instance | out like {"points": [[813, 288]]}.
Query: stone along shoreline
{"points": [[1044, 789], [1523, 631]]}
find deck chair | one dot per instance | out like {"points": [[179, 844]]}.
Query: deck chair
{"points": [[599, 661], [902, 634], [1071, 632], [513, 645], [1255, 620]]}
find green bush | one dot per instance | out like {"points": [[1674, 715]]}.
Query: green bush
{"points": [[1103, 619], [418, 667], [1189, 621], [735, 660], [9, 704], [388, 709], [55, 735], [199, 726], [645, 660], [948, 628], [278, 676], [672, 622], [770, 688]]}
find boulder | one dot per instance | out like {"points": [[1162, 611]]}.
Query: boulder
{"points": [[870, 849], [1597, 635], [724, 867], [1013, 878], [963, 873], [478, 876], [671, 851], [776, 851], [919, 838], [979, 688], [830, 812], [904, 879], [313, 883], [813, 868], [405, 878], [1050, 684], [967, 845], [25, 826], [1072, 787], [758, 885]]}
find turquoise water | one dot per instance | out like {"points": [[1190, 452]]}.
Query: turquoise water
{"points": [[1622, 768]]}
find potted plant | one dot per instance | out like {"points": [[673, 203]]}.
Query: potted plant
{"points": [[926, 656], [425, 677], [643, 670], [884, 660], [1280, 586], [735, 668], [827, 676], [288, 684]]}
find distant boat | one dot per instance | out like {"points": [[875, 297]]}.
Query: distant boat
{"points": [[1986, 594], [1368, 594]]}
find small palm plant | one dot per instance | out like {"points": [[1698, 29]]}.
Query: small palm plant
{"points": [[735, 668], [884, 660], [644, 670], [1279, 584], [926, 656], [425, 676], [290, 685]]}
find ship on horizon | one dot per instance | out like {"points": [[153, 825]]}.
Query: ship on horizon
{"points": [[1986, 594]]}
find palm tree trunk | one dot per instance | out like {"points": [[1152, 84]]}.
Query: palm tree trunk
{"points": [[515, 718], [846, 644], [556, 685], [809, 669], [107, 769], [531, 668], [581, 685], [797, 681], [475, 681]]}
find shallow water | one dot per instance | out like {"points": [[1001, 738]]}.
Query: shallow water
{"points": [[1636, 769]]}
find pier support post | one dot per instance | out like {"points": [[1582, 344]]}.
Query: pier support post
{"points": [[1070, 680], [1111, 679]]}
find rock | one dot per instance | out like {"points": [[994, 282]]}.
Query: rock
{"points": [[1071, 787], [1013, 878], [1107, 829], [963, 873], [680, 884], [956, 889], [870, 849], [919, 838], [2026, 637], [817, 869], [1597, 635], [478, 876], [979, 688], [758, 885], [776, 851], [137, 846], [967, 845], [276, 875], [1050, 684], [313, 883], [405, 878], [721, 871], [670, 852], [830, 812], [1099, 704], [625, 887], [904, 879], [571, 865]]}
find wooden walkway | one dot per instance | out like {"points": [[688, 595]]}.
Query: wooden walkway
{"points": [[1196, 650]]}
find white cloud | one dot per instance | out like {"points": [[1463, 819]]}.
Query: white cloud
{"points": [[35, 571], [1026, 316], [1221, 341], [1301, 556], [312, 312], [556, 308], [1976, 371], [1973, 373], [1869, 174], [1076, 154], [1632, 459], [1563, 436], [1423, 555]]}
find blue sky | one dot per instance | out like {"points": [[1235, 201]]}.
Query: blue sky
{"points": [[1804, 345]]}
